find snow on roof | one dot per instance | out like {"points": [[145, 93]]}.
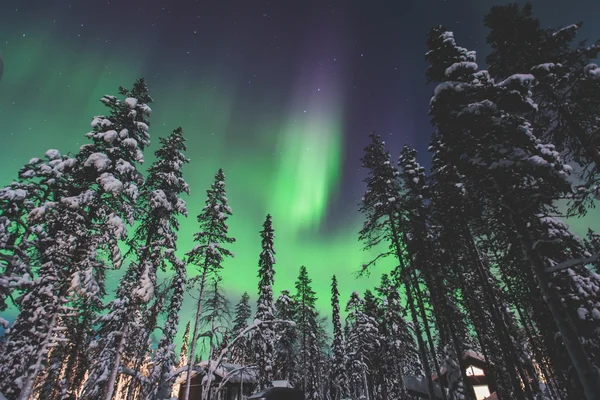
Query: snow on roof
{"points": [[418, 385], [232, 372], [473, 354]]}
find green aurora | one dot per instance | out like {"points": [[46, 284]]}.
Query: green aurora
{"points": [[288, 167], [284, 155]]}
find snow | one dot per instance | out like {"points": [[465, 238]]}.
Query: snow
{"points": [[131, 102], [116, 224], [566, 28], [124, 167], [142, 126], [71, 202], [158, 199], [52, 154], [146, 289], [592, 71], [100, 161], [522, 79], [465, 65], [110, 184], [129, 142], [447, 86], [37, 213], [146, 109], [123, 133], [110, 136], [582, 313]]}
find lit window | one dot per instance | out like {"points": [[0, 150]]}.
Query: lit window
{"points": [[474, 371], [481, 392]]}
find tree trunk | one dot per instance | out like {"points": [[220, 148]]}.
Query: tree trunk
{"points": [[582, 364], [413, 312], [436, 364], [188, 379], [28, 386], [110, 385], [366, 384]]}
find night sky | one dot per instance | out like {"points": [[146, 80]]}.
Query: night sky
{"points": [[280, 94]]}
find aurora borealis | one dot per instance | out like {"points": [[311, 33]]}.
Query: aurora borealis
{"points": [[280, 94]]}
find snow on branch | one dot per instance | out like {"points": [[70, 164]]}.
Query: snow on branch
{"points": [[572, 263]]}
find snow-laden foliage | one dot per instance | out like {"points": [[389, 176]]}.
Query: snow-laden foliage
{"points": [[262, 341], [208, 255], [240, 352]]}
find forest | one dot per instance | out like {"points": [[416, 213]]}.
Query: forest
{"points": [[485, 266]]}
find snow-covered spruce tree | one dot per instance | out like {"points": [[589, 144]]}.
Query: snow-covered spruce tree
{"points": [[164, 360], [339, 377], [510, 168], [419, 245], [38, 181], [399, 357], [185, 346], [286, 339], [215, 319], [381, 206], [306, 328], [208, 255], [361, 341], [469, 281], [102, 191], [262, 341], [159, 206], [240, 351], [566, 86]]}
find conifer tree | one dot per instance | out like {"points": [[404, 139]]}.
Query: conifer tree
{"points": [[240, 351], [306, 328], [399, 357], [262, 341], [83, 229], [566, 85], [38, 181], [517, 174], [361, 341], [165, 359], [215, 320], [287, 338], [208, 255], [338, 367], [381, 206], [154, 239], [185, 346]]}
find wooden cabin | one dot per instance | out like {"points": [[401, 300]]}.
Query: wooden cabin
{"points": [[474, 368], [237, 380]]}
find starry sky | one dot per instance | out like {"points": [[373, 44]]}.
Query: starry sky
{"points": [[280, 94]]}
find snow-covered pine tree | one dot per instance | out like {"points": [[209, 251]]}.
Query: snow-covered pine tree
{"points": [[514, 171], [102, 190], [362, 340], [208, 255], [185, 346], [262, 341], [566, 86], [381, 206], [286, 339], [154, 239], [240, 351], [306, 328], [339, 376]]}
